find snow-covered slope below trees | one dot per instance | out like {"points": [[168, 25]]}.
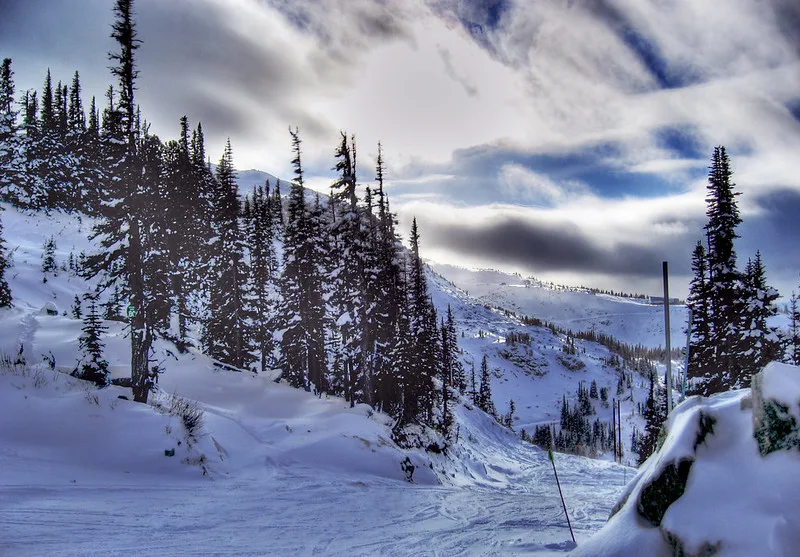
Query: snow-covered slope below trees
{"points": [[286, 472], [85, 472], [630, 320]]}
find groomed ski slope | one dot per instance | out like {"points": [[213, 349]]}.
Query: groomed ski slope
{"points": [[286, 474]]}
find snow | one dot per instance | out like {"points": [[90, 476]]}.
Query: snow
{"points": [[735, 499], [630, 320], [535, 376], [273, 470], [779, 384]]}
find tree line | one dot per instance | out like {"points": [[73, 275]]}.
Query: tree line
{"points": [[318, 287]]}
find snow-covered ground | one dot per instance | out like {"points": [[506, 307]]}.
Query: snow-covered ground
{"points": [[273, 470], [292, 476], [536, 376], [629, 320], [723, 483]]}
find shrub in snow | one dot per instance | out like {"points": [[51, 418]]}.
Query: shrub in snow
{"points": [[408, 469], [190, 413]]}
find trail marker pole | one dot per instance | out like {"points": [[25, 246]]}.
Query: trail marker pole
{"points": [[619, 429], [563, 504], [668, 357], [614, 425]]}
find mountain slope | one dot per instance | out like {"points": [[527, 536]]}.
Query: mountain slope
{"points": [[85, 471], [630, 320]]}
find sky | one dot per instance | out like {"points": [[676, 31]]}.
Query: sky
{"points": [[567, 139]]}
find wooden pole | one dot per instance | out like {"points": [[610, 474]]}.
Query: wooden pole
{"points": [[563, 504], [614, 425], [668, 357], [619, 430]]}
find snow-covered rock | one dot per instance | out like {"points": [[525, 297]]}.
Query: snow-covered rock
{"points": [[776, 408], [723, 482]]}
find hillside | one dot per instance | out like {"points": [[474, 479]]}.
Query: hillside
{"points": [[630, 320], [263, 450]]}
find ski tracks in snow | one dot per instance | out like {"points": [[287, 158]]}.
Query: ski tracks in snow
{"points": [[261, 513]]}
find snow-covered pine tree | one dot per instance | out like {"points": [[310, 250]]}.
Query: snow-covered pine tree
{"points": [[349, 287], [390, 301], [654, 419], [181, 212], [5, 291], [49, 264], [458, 378], [793, 340], [77, 310], [724, 279], [699, 302], [201, 240], [156, 265], [484, 399], [760, 343], [10, 147], [92, 366], [302, 310], [227, 335], [446, 368], [123, 219], [264, 271], [424, 334]]}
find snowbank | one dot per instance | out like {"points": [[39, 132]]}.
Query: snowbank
{"points": [[709, 489]]}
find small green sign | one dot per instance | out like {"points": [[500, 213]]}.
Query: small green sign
{"points": [[130, 311]]}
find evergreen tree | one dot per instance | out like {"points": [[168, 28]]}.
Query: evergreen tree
{"points": [[124, 222], [390, 302], [10, 158], [654, 419], [48, 256], [349, 288], [5, 291], [484, 401], [302, 313], [699, 302], [419, 397], [93, 367], [793, 348], [77, 311], [724, 279], [760, 343], [227, 333], [264, 271]]}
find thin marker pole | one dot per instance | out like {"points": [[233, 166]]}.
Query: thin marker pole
{"points": [[563, 504], [614, 425], [668, 358]]}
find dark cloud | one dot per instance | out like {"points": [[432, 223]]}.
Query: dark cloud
{"points": [[787, 16], [547, 247], [775, 233], [337, 24]]}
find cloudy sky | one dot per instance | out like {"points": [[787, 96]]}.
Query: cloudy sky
{"points": [[564, 138]]}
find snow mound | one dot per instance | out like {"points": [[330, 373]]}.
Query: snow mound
{"points": [[709, 490]]}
